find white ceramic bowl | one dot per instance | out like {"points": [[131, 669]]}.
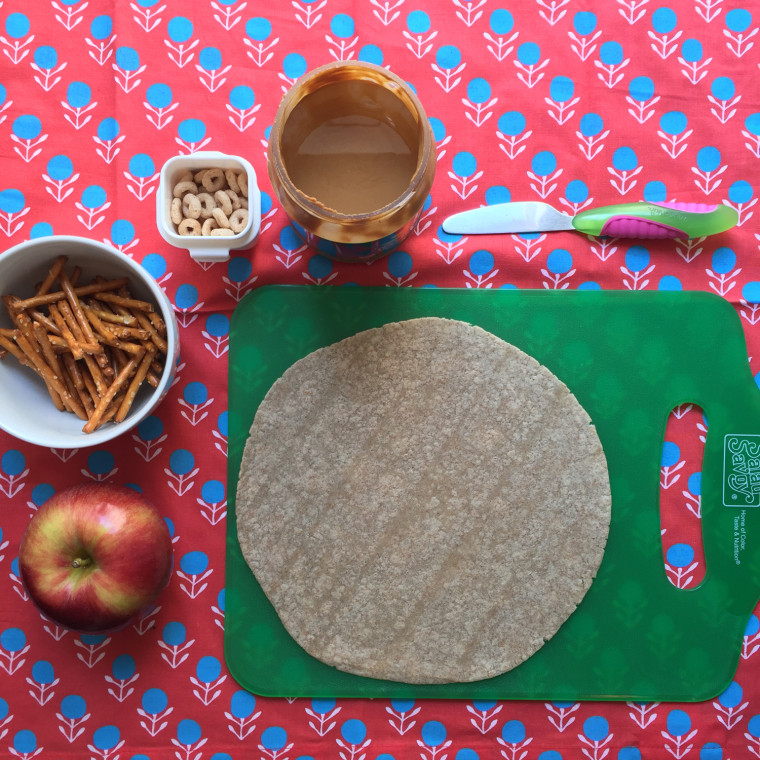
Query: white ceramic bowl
{"points": [[207, 248], [27, 411]]}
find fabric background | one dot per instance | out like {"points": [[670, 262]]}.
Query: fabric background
{"points": [[572, 102]]}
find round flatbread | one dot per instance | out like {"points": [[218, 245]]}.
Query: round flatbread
{"points": [[422, 502]]}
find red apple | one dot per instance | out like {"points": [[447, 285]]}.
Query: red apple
{"points": [[94, 556]]}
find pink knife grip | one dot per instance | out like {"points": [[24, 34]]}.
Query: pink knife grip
{"points": [[633, 227], [694, 208]]}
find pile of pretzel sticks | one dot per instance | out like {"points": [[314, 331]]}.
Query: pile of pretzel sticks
{"points": [[93, 345]]}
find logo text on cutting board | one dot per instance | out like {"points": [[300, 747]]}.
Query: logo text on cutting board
{"points": [[741, 471]]}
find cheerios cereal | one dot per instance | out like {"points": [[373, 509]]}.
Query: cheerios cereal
{"points": [[210, 201], [189, 227]]}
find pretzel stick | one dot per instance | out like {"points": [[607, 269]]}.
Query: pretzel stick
{"points": [[67, 398], [78, 382], [47, 349], [135, 333], [76, 308], [136, 349], [89, 383], [125, 302], [59, 344], [107, 397], [30, 339], [158, 323], [120, 358], [137, 381], [145, 323], [156, 339], [84, 290], [45, 321], [66, 334], [25, 326], [10, 305], [9, 345], [45, 372], [52, 275], [109, 332], [71, 321], [108, 415], [92, 365], [96, 373], [105, 331], [75, 392], [110, 316]]}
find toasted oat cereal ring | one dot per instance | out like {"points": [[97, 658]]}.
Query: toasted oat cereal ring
{"points": [[242, 180], [232, 182], [189, 227], [175, 210], [221, 218], [224, 201], [213, 180], [239, 220], [184, 187], [186, 176], [222, 232], [209, 225], [234, 199], [208, 204], [191, 206], [198, 176], [243, 202]]}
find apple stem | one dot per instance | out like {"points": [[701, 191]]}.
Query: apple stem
{"points": [[81, 562]]}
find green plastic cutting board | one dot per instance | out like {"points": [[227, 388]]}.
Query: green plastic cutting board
{"points": [[629, 358]]}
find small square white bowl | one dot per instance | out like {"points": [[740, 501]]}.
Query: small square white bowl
{"points": [[207, 248]]}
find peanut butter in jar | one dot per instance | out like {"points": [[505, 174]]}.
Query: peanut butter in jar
{"points": [[351, 158]]}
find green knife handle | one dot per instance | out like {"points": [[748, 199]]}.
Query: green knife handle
{"points": [[656, 220]]}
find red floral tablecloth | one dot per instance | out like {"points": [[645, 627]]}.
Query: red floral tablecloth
{"points": [[571, 102]]}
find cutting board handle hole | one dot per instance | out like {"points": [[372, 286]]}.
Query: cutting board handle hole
{"points": [[680, 496]]}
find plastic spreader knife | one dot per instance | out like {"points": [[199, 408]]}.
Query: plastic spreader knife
{"points": [[632, 220]]}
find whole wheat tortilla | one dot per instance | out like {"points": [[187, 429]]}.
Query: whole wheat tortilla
{"points": [[422, 502]]}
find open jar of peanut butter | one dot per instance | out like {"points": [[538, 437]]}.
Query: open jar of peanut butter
{"points": [[351, 158]]}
